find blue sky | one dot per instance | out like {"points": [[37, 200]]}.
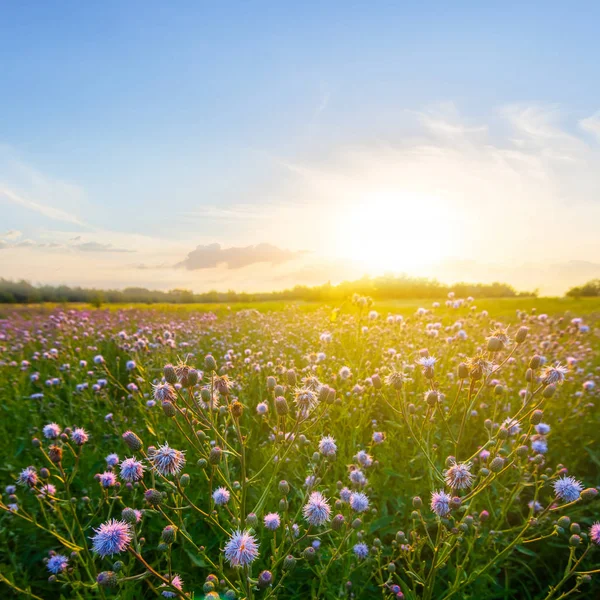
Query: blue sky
{"points": [[157, 127]]}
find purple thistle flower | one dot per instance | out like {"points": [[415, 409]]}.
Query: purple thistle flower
{"points": [[317, 510], [132, 470], [176, 582], [554, 375], [327, 446], [111, 538], [164, 392], [595, 533], [51, 431], [440, 503], [167, 461], [241, 549], [364, 458], [359, 502], [345, 495], [567, 488], [107, 479], [306, 400], [79, 436], [459, 476], [542, 428], [28, 476], [57, 563], [272, 521], [357, 477], [112, 460], [221, 496], [48, 490], [361, 550]]}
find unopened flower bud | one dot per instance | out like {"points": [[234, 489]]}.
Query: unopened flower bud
{"points": [[133, 441], [107, 579], [497, 464], [338, 522], [210, 364], [168, 534], [214, 458], [291, 377], [170, 374], [589, 493], [129, 515], [536, 417], [168, 408], [521, 334], [309, 553], [289, 562], [153, 497], [494, 344], [281, 406]]}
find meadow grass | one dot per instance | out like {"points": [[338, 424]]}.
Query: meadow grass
{"points": [[387, 450]]}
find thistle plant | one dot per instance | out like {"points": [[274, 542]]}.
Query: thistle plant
{"points": [[290, 454]]}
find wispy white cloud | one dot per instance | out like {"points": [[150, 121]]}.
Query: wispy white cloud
{"points": [[47, 211], [591, 124]]}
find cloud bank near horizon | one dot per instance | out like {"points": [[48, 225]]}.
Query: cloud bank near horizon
{"points": [[520, 191]]}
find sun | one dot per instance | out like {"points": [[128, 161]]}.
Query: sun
{"points": [[394, 230]]}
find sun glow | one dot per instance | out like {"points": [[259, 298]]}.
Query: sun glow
{"points": [[394, 230]]}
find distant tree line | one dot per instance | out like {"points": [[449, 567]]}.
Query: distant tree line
{"points": [[591, 288], [377, 287]]}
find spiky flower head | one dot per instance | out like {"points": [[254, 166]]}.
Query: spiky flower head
{"points": [[111, 538], [79, 436], [395, 379], [440, 503], [317, 510], [595, 533], [107, 479], [167, 460], [478, 367], [51, 431], [112, 460], [132, 470], [272, 521], [554, 375], [164, 392], [241, 549], [176, 582], [28, 476], [57, 564], [359, 502], [567, 488], [221, 496], [361, 550], [459, 477], [306, 400], [327, 446]]}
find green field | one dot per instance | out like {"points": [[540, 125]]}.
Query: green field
{"points": [[443, 479]]}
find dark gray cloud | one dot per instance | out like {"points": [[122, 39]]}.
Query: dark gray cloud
{"points": [[212, 255]]}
